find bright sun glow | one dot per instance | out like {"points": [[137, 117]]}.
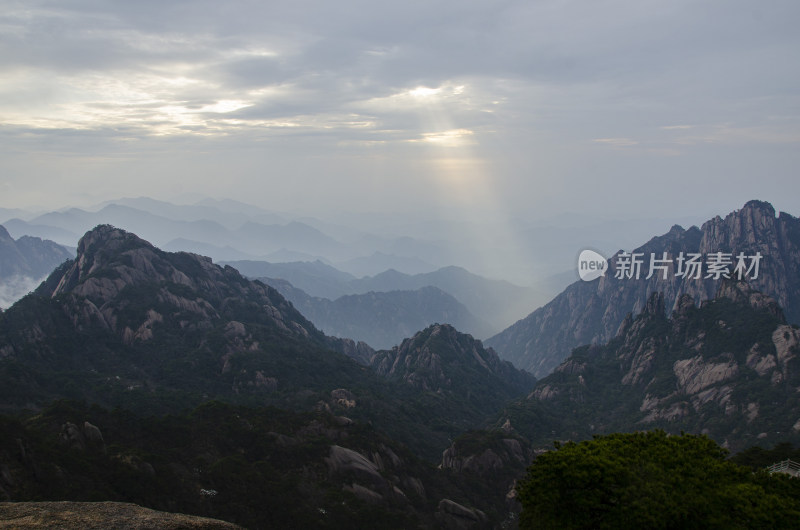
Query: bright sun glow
{"points": [[424, 92], [451, 138], [226, 105]]}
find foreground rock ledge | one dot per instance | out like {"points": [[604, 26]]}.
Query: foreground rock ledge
{"points": [[100, 515]]}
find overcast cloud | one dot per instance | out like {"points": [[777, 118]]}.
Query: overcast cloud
{"points": [[526, 108]]}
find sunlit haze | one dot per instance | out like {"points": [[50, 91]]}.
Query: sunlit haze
{"points": [[479, 115]]}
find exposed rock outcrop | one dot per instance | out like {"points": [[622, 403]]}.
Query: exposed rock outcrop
{"points": [[100, 516], [111, 261], [454, 516], [369, 483], [82, 438], [593, 312], [728, 368]]}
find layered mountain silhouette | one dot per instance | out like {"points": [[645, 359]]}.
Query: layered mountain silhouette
{"points": [[729, 368], [493, 302], [382, 319], [314, 278], [24, 262], [158, 320], [258, 237], [129, 333], [257, 394], [29, 256], [264, 244], [128, 324], [592, 312]]}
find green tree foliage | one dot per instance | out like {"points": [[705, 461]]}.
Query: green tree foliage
{"points": [[652, 480], [759, 458]]}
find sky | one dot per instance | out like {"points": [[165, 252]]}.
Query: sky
{"points": [[458, 109]]}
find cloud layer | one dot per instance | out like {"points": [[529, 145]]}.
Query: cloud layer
{"points": [[501, 105]]}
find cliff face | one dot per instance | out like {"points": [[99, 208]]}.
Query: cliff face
{"points": [[592, 312], [728, 368]]}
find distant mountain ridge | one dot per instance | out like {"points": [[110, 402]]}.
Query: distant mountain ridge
{"points": [[259, 238], [29, 256], [382, 319], [494, 302], [314, 278], [24, 262], [229, 231], [591, 312]]}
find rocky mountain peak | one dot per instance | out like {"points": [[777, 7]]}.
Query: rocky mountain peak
{"points": [[122, 284], [676, 230], [753, 226], [762, 206], [130, 315], [441, 358], [595, 312], [107, 237], [110, 259]]}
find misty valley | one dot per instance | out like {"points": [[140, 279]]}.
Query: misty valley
{"points": [[144, 386], [399, 265]]}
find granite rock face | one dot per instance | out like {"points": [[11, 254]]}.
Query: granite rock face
{"points": [[592, 312], [111, 262], [454, 516], [727, 368]]}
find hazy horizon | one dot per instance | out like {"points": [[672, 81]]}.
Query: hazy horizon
{"points": [[524, 252], [464, 120]]}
